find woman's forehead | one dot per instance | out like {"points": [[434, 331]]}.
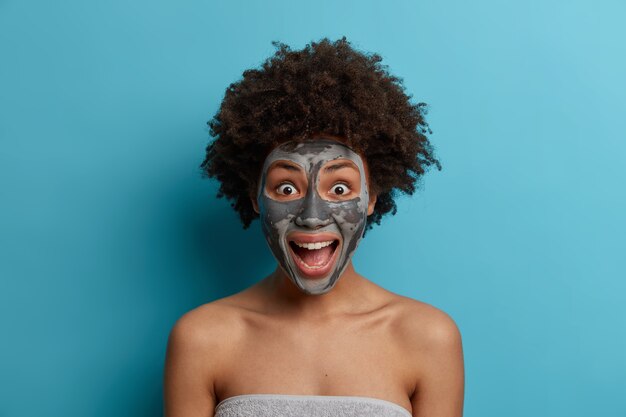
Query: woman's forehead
{"points": [[312, 153], [326, 166]]}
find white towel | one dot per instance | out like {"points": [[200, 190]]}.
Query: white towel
{"points": [[287, 405]]}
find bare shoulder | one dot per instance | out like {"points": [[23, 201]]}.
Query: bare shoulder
{"points": [[207, 327], [425, 326], [197, 345], [432, 341]]}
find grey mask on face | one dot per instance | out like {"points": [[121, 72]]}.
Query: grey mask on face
{"points": [[310, 214]]}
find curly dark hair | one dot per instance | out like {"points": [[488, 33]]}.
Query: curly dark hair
{"points": [[327, 87]]}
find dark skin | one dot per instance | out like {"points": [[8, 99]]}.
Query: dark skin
{"points": [[356, 340]]}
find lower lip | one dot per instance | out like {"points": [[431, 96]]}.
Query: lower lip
{"points": [[315, 272]]}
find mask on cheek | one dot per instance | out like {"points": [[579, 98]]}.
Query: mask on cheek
{"points": [[312, 236]]}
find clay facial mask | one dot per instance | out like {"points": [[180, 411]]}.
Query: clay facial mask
{"points": [[313, 201]]}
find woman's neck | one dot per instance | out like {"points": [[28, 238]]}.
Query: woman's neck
{"points": [[351, 294]]}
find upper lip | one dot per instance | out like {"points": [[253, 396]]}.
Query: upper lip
{"points": [[311, 237]]}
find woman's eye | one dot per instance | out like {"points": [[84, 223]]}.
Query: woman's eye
{"points": [[286, 189], [340, 189]]}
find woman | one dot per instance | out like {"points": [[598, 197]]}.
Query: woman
{"points": [[315, 144]]}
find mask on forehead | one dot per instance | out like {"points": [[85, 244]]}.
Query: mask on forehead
{"points": [[313, 236]]}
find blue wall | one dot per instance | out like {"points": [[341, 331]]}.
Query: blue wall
{"points": [[108, 234]]}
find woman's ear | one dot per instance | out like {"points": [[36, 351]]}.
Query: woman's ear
{"points": [[371, 204], [255, 204], [371, 188]]}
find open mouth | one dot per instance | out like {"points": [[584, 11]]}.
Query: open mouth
{"points": [[314, 259]]}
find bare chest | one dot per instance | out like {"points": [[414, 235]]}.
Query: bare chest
{"points": [[353, 360]]}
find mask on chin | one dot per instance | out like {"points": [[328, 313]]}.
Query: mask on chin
{"points": [[313, 227]]}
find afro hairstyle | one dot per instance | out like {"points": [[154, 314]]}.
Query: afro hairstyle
{"points": [[328, 87]]}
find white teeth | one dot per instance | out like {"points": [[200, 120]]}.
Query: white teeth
{"points": [[316, 245]]}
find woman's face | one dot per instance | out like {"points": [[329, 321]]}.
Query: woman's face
{"points": [[313, 203]]}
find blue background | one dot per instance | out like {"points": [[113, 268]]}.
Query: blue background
{"points": [[108, 233]]}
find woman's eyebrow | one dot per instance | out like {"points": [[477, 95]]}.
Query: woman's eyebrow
{"points": [[287, 166], [338, 166]]}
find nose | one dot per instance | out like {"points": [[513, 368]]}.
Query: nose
{"points": [[311, 222], [312, 214]]}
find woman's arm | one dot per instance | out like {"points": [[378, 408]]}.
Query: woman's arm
{"points": [[189, 365], [439, 389]]}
